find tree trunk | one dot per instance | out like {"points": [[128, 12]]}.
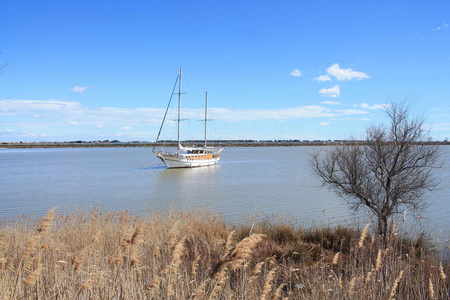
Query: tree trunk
{"points": [[382, 226]]}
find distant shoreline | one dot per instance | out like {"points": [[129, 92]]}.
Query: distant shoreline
{"points": [[222, 143]]}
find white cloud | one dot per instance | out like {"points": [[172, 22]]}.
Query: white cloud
{"points": [[331, 102], [375, 106], [79, 89], [323, 78], [297, 73], [125, 119], [324, 123], [302, 112], [351, 112], [443, 26], [345, 74], [441, 127], [61, 120], [333, 92], [13, 106]]}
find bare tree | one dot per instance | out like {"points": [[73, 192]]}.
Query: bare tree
{"points": [[387, 173]]}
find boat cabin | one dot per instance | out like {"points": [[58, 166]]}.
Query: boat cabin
{"points": [[200, 151]]}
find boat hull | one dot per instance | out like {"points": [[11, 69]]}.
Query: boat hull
{"points": [[173, 161]]}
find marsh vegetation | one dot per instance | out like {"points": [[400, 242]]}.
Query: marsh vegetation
{"points": [[196, 255]]}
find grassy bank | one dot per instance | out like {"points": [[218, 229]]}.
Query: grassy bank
{"points": [[193, 255]]}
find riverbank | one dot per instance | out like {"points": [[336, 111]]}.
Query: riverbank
{"points": [[217, 143], [196, 255]]}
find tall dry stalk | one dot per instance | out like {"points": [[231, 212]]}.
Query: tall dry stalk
{"points": [[200, 292], [30, 246], [46, 222], [430, 288], [176, 256], [278, 292], [243, 252], [441, 272], [336, 258], [268, 286], [379, 260], [201, 267], [195, 265], [220, 284], [172, 241], [154, 286], [363, 236], [89, 282], [351, 287], [229, 244], [393, 227], [33, 277], [136, 238], [255, 273], [174, 265], [395, 285], [78, 258], [368, 277]]}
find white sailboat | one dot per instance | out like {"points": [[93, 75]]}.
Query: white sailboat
{"points": [[188, 157]]}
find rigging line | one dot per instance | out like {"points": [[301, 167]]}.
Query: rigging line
{"points": [[167, 109]]}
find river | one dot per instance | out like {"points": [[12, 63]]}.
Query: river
{"points": [[249, 183]]}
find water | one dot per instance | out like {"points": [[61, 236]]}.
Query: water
{"points": [[248, 184]]}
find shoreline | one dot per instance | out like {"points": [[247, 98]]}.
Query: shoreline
{"points": [[231, 143]]}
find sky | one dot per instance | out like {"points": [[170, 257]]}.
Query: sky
{"points": [[308, 70]]}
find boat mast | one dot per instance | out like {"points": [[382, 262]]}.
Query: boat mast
{"points": [[167, 110], [206, 115], [179, 110]]}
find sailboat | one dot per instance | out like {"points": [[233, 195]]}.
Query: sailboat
{"points": [[188, 157]]}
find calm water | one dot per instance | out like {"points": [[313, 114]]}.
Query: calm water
{"points": [[248, 183]]}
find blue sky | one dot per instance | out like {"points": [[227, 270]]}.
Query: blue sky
{"points": [[95, 70]]}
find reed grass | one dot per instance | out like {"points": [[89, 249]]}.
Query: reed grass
{"points": [[196, 255]]}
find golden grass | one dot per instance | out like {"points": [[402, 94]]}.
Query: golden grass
{"points": [[196, 255]]}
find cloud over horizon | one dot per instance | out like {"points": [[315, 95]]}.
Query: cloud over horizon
{"points": [[330, 102], [53, 118]]}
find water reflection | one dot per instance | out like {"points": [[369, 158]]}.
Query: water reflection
{"points": [[187, 187]]}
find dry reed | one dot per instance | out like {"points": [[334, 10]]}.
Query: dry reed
{"points": [[441, 272], [363, 236], [430, 288], [32, 278], [379, 260], [46, 222], [368, 277], [268, 286], [278, 292], [395, 285], [351, 287], [116, 255], [336, 258], [243, 252]]}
